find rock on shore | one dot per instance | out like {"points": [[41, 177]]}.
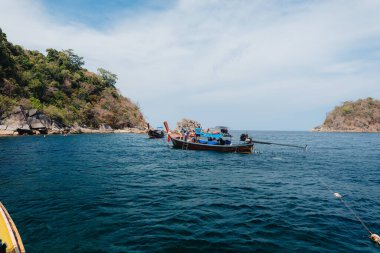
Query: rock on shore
{"points": [[30, 122], [20, 121]]}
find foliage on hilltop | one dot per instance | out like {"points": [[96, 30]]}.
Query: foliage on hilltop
{"points": [[362, 115], [59, 86]]}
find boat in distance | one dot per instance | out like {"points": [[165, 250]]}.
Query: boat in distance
{"points": [[157, 133], [10, 240], [214, 142], [237, 148]]}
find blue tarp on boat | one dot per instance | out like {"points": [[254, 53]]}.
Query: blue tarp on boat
{"points": [[210, 135], [198, 131], [208, 142]]}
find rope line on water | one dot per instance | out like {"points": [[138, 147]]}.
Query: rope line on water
{"points": [[374, 237], [356, 216]]}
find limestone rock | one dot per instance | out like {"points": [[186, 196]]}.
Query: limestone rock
{"points": [[25, 126], [105, 127], [27, 122], [14, 120], [7, 132], [76, 129], [188, 124], [56, 128], [13, 126], [35, 123], [32, 112]]}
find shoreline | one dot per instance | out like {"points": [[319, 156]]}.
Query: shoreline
{"points": [[81, 130], [342, 131]]}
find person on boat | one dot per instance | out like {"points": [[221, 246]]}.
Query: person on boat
{"points": [[198, 132], [186, 136]]}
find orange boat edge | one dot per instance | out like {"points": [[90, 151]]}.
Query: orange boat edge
{"points": [[10, 238]]}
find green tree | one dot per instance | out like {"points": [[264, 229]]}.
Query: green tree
{"points": [[37, 88], [108, 77], [52, 55], [75, 61], [5, 53], [6, 104]]}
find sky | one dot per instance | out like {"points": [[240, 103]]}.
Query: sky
{"points": [[258, 65]]}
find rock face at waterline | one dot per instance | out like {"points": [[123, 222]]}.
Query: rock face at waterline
{"points": [[53, 92], [362, 115], [20, 121], [28, 122], [188, 124]]}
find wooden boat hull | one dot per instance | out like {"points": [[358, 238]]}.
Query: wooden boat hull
{"points": [[156, 134], [9, 234], [240, 148]]}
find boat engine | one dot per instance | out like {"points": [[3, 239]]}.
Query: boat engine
{"points": [[243, 137], [248, 140]]}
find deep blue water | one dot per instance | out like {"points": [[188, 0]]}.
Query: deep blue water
{"points": [[126, 193]]}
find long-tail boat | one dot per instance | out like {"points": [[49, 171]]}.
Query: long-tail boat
{"points": [[237, 148], [10, 240], [156, 133], [214, 143]]}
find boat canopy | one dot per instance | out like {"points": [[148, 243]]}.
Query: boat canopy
{"points": [[198, 131], [211, 135]]}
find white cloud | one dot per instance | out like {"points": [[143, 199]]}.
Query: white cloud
{"points": [[247, 64]]}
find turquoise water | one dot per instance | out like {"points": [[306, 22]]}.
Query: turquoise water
{"points": [[126, 193]]}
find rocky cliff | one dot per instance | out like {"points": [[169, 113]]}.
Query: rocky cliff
{"points": [[29, 122], [362, 115]]}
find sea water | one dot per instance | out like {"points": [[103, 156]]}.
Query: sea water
{"points": [[127, 193]]}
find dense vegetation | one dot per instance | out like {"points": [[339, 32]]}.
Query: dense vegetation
{"points": [[59, 86], [360, 115]]}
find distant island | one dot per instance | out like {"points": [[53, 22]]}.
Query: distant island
{"points": [[362, 115], [53, 93]]}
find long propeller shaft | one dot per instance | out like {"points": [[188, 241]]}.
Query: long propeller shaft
{"points": [[280, 144]]}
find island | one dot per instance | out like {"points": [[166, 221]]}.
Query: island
{"points": [[362, 115], [53, 93]]}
